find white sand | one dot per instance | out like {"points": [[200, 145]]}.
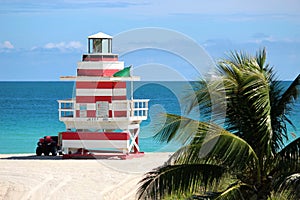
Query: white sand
{"points": [[25, 177]]}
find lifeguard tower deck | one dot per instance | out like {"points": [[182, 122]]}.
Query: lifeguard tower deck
{"points": [[101, 119]]}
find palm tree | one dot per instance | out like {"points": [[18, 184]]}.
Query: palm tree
{"points": [[250, 157]]}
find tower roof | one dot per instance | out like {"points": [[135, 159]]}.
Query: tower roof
{"points": [[100, 35]]}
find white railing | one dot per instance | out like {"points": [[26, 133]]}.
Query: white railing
{"points": [[135, 109], [139, 108], [66, 108]]}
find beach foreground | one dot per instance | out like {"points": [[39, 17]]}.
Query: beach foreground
{"points": [[23, 176]]}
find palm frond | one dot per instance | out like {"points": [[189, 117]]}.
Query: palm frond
{"points": [[283, 102], [291, 186], [220, 147], [288, 158], [237, 58], [256, 90], [286, 162], [208, 99], [237, 191], [200, 99], [248, 101], [179, 179], [290, 94], [177, 128], [261, 57], [190, 153], [281, 106], [232, 151]]}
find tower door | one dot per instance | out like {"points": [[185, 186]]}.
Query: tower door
{"points": [[102, 109]]}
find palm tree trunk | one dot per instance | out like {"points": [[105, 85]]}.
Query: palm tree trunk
{"points": [[264, 190]]}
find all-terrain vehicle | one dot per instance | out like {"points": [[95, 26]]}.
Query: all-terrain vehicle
{"points": [[47, 145]]}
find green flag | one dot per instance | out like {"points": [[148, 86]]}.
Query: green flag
{"points": [[123, 73]]}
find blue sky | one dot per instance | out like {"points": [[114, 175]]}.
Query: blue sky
{"points": [[42, 40]]}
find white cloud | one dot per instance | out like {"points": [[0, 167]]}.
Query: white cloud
{"points": [[6, 45], [75, 45], [262, 37], [63, 46]]}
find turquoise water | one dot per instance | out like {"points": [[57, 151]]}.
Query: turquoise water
{"points": [[29, 110]]}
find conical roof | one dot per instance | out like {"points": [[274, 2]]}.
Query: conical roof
{"points": [[100, 35]]}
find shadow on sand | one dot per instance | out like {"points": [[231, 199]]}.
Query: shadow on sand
{"points": [[98, 155], [32, 157]]}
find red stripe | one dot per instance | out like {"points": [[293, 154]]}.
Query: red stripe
{"points": [[94, 136], [120, 113], [100, 59], [96, 72], [94, 99], [100, 85], [91, 113]]}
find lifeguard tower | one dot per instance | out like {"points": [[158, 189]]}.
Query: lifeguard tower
{"points": [[102, 119]]}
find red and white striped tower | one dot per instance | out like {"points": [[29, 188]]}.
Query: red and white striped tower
{"points": [[101, 116]]}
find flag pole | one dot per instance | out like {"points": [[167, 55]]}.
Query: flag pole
{"points": [[131, 76], [131, 93]]}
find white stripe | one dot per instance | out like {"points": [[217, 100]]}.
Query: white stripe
{"points": [[101, 92], [120, 105], [101, 65], [88, 144]]}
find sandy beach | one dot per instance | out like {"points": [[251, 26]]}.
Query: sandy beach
{"points": [[24, 176]]}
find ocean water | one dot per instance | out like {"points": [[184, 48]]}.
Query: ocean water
{"points": [[29, 110]]}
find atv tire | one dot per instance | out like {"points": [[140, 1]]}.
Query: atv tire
{"points": [[54, 151], [38, 151], [46, 153]]}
